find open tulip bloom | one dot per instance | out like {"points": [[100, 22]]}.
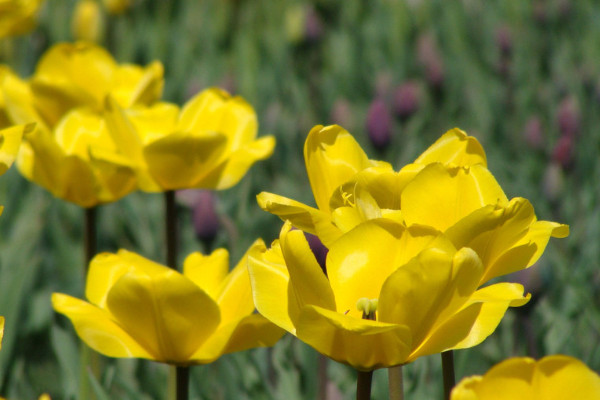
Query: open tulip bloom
{"points": [[71, 153], [18, 16], [447, 188], [555, 377], [210, 143], [138, 308], [389, 295]]}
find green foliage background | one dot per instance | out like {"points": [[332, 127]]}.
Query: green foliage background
{"points": [[296, 77]]}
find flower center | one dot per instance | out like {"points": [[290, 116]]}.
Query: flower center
{"points": [[368, 307]]}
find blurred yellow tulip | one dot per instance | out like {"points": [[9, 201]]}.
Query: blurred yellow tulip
{"points": [[210, 143], [87, 23], [71, 152], [1, 331], [116, 7], [448, 188], [390, 294], [138, 308], [18, 16], [554, 377]]}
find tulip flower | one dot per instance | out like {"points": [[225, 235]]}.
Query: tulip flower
{"points": [[209, 143], [88, 21], [18, 16], [71, 152], [10, 141], [138, 308], [1, 330], [523, 378], [418, 291], [448, 188]]}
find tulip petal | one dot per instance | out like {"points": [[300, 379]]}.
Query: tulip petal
{"points": [[106, 268], [246, 333], [303, 217], [98, 330], [204, 112], [181, 159], [233, 169], [361, 343], [454, 147], [239, 123], [148, 88], [1, 330], [10, 142], [207, 271], [361, 260], [440, 196], [332, 157], [115, 174], [165, 312], [308, 283]]}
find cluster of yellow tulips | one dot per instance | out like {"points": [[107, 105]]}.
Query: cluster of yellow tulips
{"points": [[411, 252]]}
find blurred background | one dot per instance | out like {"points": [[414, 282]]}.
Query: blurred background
{"points": [[521, 76]]}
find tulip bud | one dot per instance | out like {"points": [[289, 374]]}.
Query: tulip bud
{"points": [[341, 114], [563, 151], [379, 124], [88, 22], [533, 133], [205, 217], [313, 25], [116, 7], [553, 182], [504, 41], [568, 116], [406, 100], [318, 249]]}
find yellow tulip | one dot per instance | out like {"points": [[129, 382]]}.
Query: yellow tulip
{"points": [[210, 143], [116, 6], [88, 21], [1, 330], [448, 188], [18, 16], [424, 292], [71, 153], [555, 377], [10, 142], [138, 308]]}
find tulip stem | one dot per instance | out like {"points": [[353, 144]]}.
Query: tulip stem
{"points": [[396, 383], [363, 385], [448, 372], [322, 377], [183, 382], [171, 229], [88, 359]]}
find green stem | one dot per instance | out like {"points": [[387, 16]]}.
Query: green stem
{"points": [[448, 372], [363, 385], [183, 382], [88, 358], [171, 229], [396, 383]]}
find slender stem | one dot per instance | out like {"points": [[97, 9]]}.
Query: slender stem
{"points": [[171, 229], [363, 385], [183, 382], [396, 383], [322, 377], [448, 372], [88, 358]]}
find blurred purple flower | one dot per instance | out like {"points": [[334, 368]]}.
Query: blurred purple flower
{"points": [[568, 116], [563, 151], [313, 25], [553, 181], [341, 114], [407, 99], [504, 41], [533, 132], [430, 58], [204, 215], [379, 124]]}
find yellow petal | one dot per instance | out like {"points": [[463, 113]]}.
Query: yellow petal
{"points": [[98, 330], [361, 343], [234, 294], [166, 313], [456, 148], [148, 83], [440, 196], [207, 271], [19, 102], [308, 283], [239, 123], [181, 159], [303, 217], [232, 170], [106, 268], [115, 174], [123, 132], [332, 157], [246, 333], [358, 267], [10, 142], [204, 112], [269, 278], [1, 330]]}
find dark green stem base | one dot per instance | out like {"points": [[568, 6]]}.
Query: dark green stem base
{"points": [[448, 372], [171, 229], [183, 382], [363, 385]]}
